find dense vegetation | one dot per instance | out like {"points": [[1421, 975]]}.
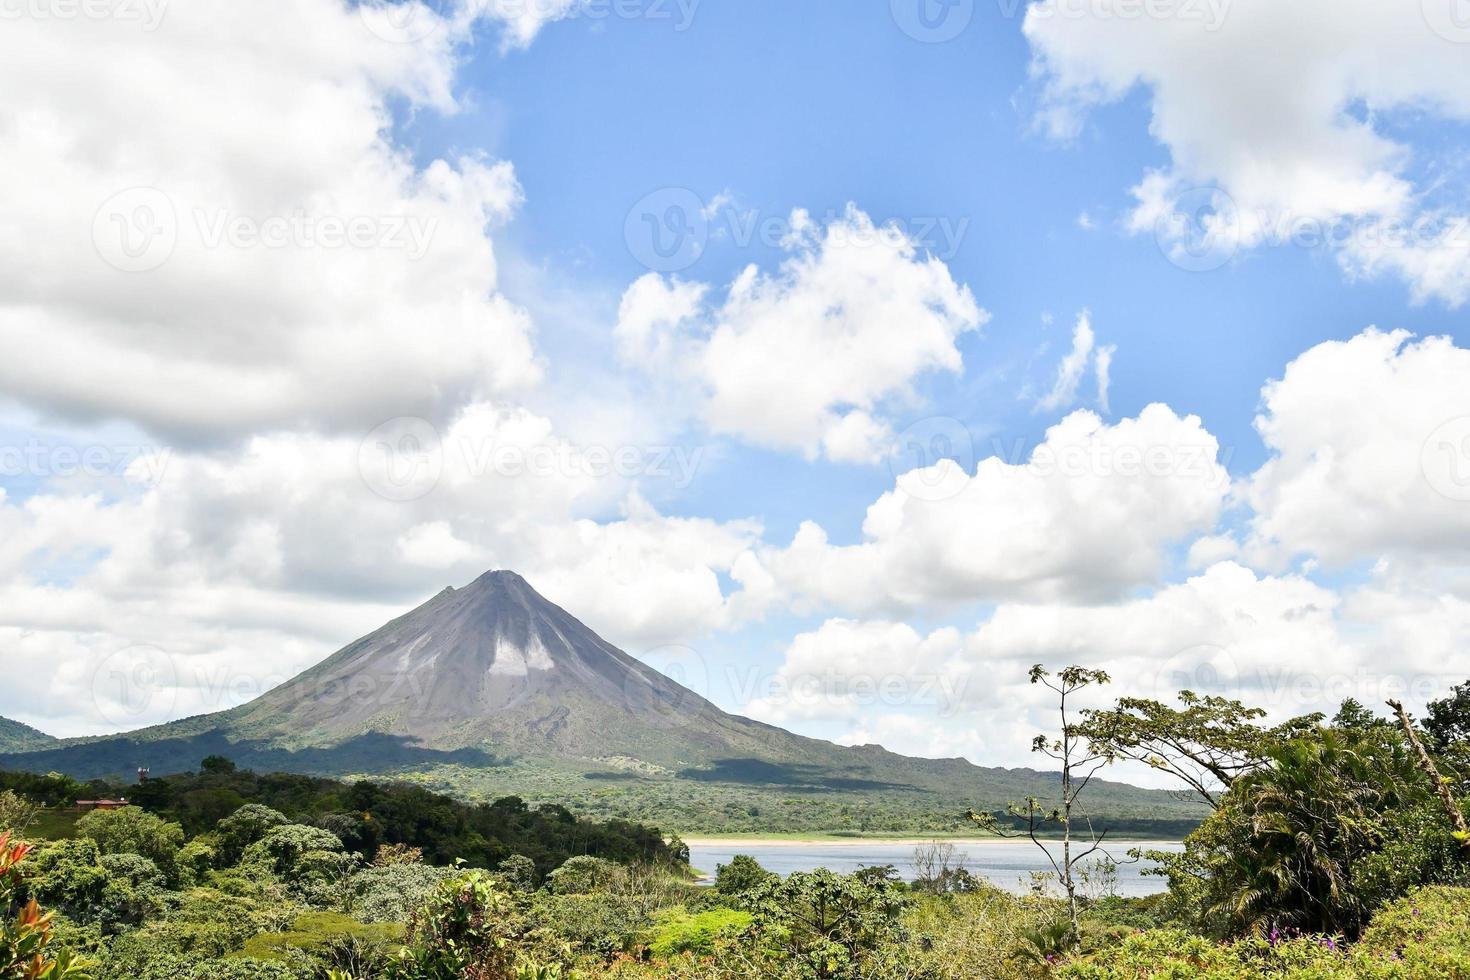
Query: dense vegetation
{"points": [[1334, 848], [872, 792], [364, 816]]}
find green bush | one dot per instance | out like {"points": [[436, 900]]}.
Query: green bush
{"points": [[469, 923], [583, 876], [825, 925], [676, 931], [178, 968], [28, 947], [389, 893], [599, 925], [67, 875], [519, 872], [1424, 935], [741, 875], [197, 858]]}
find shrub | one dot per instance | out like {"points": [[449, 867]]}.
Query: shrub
{"points": [[468, 924], [599, 925], [27, 949], [133, 870], [178, 968], [204, 925], [583, 876], [17, 812], [197, 858], [67, 875], [826, 925], [1425, 934], [519, 872], [741, 875], [676, 931], [978, 936], [389, 893]]}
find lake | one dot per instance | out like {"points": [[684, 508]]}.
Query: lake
{"points": [[1004, 863]]}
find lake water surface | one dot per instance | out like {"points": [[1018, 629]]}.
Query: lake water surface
{"points": [[1004, 863]]}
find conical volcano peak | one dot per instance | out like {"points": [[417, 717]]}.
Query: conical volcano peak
{"points": [[502, 578], [486, 662]]}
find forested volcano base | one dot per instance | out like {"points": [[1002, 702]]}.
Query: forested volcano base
{"points": [[1333, 849]]}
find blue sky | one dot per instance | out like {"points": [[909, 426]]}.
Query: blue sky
{"points": [[1039, 160]]}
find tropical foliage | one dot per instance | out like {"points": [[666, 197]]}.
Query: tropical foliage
{"points": [[1332, 848]]}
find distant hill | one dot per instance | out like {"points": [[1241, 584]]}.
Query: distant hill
{"points": [[491, 689], [16, 737]]}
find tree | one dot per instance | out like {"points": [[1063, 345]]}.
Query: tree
{"points": [[939, 868], [67, 875], [741, 875], [283, 849], [244, 827], [584, 875], [825, 925], [519, 872], [1080, 759], [17, 812], [1312, 818], [27, 950], [1207, 743], [1335, 823], [1448, 719], [131, 830], [216, 765], [1440, 785]]}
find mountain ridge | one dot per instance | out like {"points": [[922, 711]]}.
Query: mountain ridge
{"points": [[17, 736], [482, 685]]}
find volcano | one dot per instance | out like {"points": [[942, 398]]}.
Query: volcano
{"points": [[493, 689], [495, 665]]}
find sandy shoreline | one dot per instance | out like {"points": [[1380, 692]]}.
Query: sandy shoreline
{"points": [[764, 842], [778, 842]]}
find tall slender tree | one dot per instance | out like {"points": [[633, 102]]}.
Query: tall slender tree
{"points": [[1080, 759]]}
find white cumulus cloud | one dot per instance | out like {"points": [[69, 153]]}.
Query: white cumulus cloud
{"points": [[807, 358]]}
